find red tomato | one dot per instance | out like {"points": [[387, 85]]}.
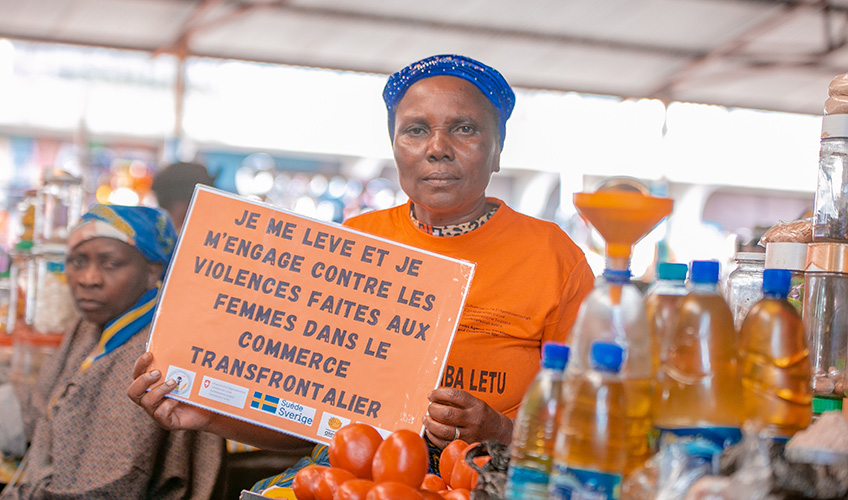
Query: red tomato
{"points": [[458, 494], [391, 490], [353, 447], [448, 458], [430, 495], [463, 476], [433, 482], [305, 480], [402, 457], [329, 481], [355, 489]]}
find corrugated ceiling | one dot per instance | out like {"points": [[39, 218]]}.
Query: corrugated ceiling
{"points": [[764, 54]]}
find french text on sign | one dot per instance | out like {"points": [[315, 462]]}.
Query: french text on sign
{"points": [[258, 252], [315, 321], [330, 242]]}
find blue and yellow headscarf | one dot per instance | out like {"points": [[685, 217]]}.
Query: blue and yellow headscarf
{"points": [[148, 230], [490, 82]]}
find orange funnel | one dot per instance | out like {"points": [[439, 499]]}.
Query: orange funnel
{"points": [[622, 218]]}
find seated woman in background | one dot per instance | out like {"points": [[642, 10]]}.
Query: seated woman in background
{"points": [[447, 122], [86, 441]]}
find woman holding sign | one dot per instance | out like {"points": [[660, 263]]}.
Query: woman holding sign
{"points": [[447, 121], [86, 441]]}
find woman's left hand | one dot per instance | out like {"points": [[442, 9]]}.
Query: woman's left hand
{"points": [[456, 414]]}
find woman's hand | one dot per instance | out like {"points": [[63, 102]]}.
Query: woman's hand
{"points": [[454, 413], [172, 414], [168, 413]]}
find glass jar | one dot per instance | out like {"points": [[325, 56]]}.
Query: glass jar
{"points": [[48, 310], [825, 320], [52, 308], [20, 272], [59, 207], [5, 300], [744, 286], [5, 334], [830, 219], [790, 255], [26, 211], [29, 351]]}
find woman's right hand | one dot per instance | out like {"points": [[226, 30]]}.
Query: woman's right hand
{"points": [[169, 413], [172, 414]]}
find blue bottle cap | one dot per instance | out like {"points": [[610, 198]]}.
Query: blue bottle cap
{"points": [[672, 271], [555, 355], [777, 282], [704, 271], [607, 356]]}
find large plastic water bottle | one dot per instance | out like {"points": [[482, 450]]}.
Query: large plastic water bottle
{"points": [[697, 406], [614, 313], [592, 452], [531, 451], [661, 305], [775, 361]]}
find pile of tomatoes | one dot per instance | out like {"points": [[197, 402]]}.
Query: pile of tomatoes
{"points": [[364, 466]]}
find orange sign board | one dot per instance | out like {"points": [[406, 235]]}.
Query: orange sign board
{"points": [[303, 326]]}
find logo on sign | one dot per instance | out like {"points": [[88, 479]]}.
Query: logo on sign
{"points": [[330, 424], [296, 412], [264, 402], [184, 380]]}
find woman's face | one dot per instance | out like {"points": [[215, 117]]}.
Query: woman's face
{"points": [[107, 277], [446, 147]]}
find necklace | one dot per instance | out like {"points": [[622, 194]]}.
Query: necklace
{"points": [[453, 229]]}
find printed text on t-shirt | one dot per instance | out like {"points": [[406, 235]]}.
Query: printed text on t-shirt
{"points": [[477, 380]]}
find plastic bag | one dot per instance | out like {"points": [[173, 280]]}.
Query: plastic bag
{"points": [[752, 476]]}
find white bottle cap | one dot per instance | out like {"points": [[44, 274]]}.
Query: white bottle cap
{"points": [[790, 255]]}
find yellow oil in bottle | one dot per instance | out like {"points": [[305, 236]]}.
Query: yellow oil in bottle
{"points": [[660, 305], [603, 431], [607, 427], [775, 363], [660, 310], [698, 384]]}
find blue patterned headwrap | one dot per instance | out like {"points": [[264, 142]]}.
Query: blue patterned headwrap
{"points": [[148, 230], [490, 82]]}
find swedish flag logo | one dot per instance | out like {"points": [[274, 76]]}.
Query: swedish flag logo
{"points": [[264, 402]]}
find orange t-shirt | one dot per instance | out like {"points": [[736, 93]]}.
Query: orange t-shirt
{"points": [[527, 288]]}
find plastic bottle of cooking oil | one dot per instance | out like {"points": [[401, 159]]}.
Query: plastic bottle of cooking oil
{"points": [[698, 384], [531, 450], [597, 443], [775, 361], [613, 313], [661, 303]]}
